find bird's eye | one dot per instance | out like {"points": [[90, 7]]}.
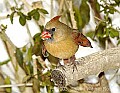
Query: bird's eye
{"points": [[53, 29], [81, 42]]}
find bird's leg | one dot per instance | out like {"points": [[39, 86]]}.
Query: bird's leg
{"points": [[71, 60], [74, 63], [61, 65]]}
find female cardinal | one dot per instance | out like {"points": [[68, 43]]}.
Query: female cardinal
{"points": [[62, 41]]}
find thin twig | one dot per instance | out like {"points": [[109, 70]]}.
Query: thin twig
{"points": [[16, 85], [51, 10], [106, 44], [72, 15], [34, 65], [30, 36], [41, 62], [16, 2], [6, 38], [60, 7], [97, 18], [27, 4]]}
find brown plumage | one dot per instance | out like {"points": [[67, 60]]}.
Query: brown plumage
{"points": [[62, 41]]}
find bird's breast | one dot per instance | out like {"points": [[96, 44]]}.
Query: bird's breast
{"points": [[63, 49]]}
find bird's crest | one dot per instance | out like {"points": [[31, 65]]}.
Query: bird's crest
{"points": [[55, 18]]}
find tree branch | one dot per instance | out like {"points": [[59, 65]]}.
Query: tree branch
{"points": [[91, 65], [100, 87]]}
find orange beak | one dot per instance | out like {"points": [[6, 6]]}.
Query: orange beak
{"points": [[45, 35]]}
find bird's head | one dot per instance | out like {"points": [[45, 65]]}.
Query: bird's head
{"points": [[54, 29]]}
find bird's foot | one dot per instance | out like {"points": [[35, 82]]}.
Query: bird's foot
{"points": [[60, 65], [74, 63]]}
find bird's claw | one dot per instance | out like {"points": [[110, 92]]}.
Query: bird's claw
{"points": [[62, 66], [75, 63]]}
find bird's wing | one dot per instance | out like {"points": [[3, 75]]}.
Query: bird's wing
{"points": [[80, 39]]}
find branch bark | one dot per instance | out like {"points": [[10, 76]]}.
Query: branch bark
{"points": [[101, 87], [91, 65]]}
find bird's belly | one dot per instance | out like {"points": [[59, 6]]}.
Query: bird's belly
{"points": [[62, 49]]}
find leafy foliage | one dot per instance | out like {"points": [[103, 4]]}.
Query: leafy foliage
{"points": [[22, 18], [19, 56], [82, 14], [11, 17], [35, 14], [36, 85], [4, 62], [105, 30], [7, 81]]}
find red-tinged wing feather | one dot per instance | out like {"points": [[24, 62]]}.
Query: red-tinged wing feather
{"points": [[80, 39]]}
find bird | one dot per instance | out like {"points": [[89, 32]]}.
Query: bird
{"points": [[62, 41]]}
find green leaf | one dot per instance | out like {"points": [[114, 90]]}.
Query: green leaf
{"points": [[78, 18], [29, 68], [43, 11], [90, 34], [22, 20], [97, 7], [117, 2], [99, 31], [107, 32], [41, 27], [28, 56], [7, 81], [12, 8], [36, 37], [21, 14], [19, 57], [50, 89], [3, 27], [85, 13], [31, 13], [36, 16], [113, 32], [27, 78], [37, 48], [82, 14], [118, 42], [4, 62], [11, 17], [111, 10], [28, 17]]}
